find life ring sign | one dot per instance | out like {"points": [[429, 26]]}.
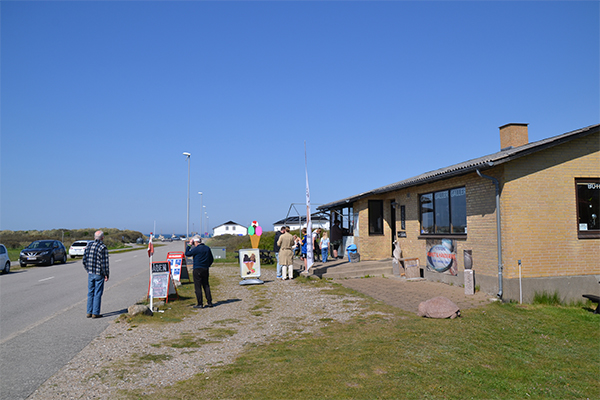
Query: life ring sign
{"points": [[442, 257]]}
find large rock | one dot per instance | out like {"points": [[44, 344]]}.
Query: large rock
{"points": [[438, 307], [139, 309]]}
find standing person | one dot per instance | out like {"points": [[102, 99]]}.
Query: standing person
{"points": [[276, 249], [95, 262], [296, 247], [203, 259], [315, 235], [285, 243], [336, 237], [304, 249], [324, 245]]}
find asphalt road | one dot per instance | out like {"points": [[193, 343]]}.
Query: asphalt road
{"points": [[43, 320]]}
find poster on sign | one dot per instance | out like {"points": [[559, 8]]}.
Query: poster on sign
{"points": [[161, 283], [249, 263], [176, 269], [178, 265]]}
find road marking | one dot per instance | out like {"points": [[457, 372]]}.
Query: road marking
{"points": [[48, 318], [120, 259], [46, 279]]}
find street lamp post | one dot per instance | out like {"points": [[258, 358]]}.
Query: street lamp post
{"points": [[201, 219], [187, 227], [207, 225]]}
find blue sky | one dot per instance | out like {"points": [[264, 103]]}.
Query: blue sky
{"points": [[100, 100]]}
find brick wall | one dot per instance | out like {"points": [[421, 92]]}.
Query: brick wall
{"points": [[481, 223], [538, 211]]}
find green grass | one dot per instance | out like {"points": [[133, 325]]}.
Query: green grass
{"points": [[501, 351], [178, 307], [547, 299]]}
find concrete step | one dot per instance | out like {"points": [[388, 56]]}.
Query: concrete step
{"points": [[353, 270]]}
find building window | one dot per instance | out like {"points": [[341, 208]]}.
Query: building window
{"points": [[233, 228], [375, 217], [588, 208], [444, 212], [226, 228]]}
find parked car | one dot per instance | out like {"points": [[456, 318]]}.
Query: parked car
{"points": [[77, 248], [4, 260], [43, 252]]}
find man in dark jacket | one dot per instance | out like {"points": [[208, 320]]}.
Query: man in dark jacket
{"points": [[203, 259]]}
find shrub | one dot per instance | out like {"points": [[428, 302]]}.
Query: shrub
{"points": [[112, 237]]}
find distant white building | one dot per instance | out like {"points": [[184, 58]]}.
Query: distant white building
{"points": [[230, 228], [299, 222]]}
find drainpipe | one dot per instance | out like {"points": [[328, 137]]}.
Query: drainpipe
{"points": [[498, 229]]}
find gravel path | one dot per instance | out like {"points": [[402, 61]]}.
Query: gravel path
{"points": [[143, 357]]}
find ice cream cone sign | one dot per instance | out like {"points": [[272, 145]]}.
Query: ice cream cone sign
{"points": [[254, 231]]}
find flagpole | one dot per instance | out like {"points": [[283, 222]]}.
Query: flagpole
{"points": [[309, 239], [151, 253]]}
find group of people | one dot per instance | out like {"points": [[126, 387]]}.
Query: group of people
{"points": [[287, 245], [95, 261]]}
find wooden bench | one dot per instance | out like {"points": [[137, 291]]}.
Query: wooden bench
{"points": [[594, 299]]}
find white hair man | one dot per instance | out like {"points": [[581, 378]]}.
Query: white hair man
{"points": [[95, 262]]}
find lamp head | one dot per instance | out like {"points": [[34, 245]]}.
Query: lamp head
{"points": [[186, 154]]}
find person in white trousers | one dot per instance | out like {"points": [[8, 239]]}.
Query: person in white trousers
{"points": [[285, 243]]}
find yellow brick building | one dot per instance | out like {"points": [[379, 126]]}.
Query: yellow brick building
{"points": [[548, 194]]}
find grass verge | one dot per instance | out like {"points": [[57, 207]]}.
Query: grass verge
{"points": [[501, 351]]}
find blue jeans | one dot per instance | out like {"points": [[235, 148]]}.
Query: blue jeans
{"points": [[278, 265], [95, 290], [324, 254]]}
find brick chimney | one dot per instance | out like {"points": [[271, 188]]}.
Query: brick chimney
{"points": [[513, 135]]}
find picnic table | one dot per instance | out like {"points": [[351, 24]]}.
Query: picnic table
{"points": [[266, 256]]}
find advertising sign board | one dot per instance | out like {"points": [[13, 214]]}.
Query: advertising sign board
{"points": [[161, 284], [178, 264], [441, 256], [249, 263]]}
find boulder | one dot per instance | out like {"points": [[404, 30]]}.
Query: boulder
{"points": [[139, 309], [438, 307]]}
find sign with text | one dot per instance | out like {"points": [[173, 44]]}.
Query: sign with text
{"points": [[441, 256], [160, 266], [161, 283]]}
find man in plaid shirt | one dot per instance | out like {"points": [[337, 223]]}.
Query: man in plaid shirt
{"points": [[95, 262]]}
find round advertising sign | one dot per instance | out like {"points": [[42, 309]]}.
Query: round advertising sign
{"points": [[440, 258]]}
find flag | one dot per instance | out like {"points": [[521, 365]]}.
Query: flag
{"points": [[150, 246], [309, 237]]}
